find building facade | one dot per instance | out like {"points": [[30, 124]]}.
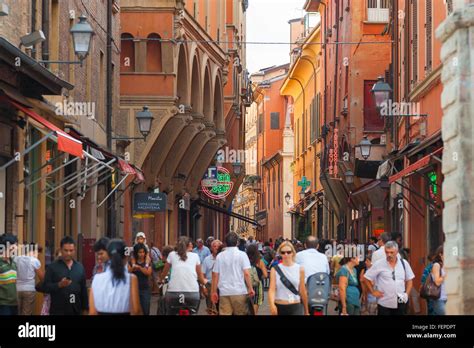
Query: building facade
{"points": [[186, 61]]}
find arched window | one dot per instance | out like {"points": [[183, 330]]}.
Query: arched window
{"points": [[127, 56], [153, 53]]}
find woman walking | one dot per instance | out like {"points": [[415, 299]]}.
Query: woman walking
{"points": [[349, 294], [258, 273], [183, 285], [115, 291], [142, 269], [287, 294], [439, 276]]}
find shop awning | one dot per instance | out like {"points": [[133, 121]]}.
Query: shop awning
{"points": [[367, 187], [415, 166], [66, 143], [312, 204]]}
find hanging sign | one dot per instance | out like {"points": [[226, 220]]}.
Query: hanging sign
{"points": [[217, 184], [149, 202]]}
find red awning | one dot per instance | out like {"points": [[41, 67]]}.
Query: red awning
{"points": [[66, 143], [414, 167], [126, 168]]}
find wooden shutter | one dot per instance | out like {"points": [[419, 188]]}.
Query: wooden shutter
{"points": [[414, 42], [429, 36], [275, 120]]}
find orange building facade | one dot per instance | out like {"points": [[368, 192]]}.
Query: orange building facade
{"points": [[185, 60]]}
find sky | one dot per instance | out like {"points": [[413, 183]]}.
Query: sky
{"points": [[267, 20]]}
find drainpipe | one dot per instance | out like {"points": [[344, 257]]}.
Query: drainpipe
{"points": [[45, 27], [111, 226], [33, 25]]}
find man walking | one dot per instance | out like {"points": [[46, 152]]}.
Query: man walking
{"points": [[394, 279], [207, 268], [311, 259], [65, 280], [202, 250], [379, 254], [231, 275]]}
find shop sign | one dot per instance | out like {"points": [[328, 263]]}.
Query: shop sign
{"points": [[149, 202], [217, 183], [334, 155]]}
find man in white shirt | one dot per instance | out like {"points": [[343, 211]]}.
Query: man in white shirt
{"points": [[394, 279], [231, 275], [311, 259], [379, 254], [28, 267]]}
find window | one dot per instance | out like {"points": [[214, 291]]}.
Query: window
{"points": [[153, 53], [260, 123], [372, 119], [127, 55], [275, 120], [414, 41], [274, 188], [315, 117], [378, 11], [429, 36]]}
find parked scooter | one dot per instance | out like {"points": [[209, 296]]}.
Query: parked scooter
{"points": [[319, 291]]}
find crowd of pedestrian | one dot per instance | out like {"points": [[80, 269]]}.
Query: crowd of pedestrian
{"points": [[234, 276]]}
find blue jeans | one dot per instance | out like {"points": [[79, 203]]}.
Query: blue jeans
{"points": [[145, 300], [8, 310], [438, 307]]}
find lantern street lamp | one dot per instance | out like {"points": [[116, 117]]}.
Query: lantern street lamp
{"points": [[302, 194], [349, 177], [81, 36], [365, 147], [237, 166], [81, 33], [145, 119], [381, 92]]}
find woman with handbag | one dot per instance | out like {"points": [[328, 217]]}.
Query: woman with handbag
{"points": [[287, 294], [349, 294], [438, 275]]}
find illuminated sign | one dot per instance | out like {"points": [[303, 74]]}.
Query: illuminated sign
{"points": [[216, 184]]}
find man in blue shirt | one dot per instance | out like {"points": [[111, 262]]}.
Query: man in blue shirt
{"points": [[202, 250]]}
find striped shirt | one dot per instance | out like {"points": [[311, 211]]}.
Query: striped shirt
{"points": [[8, 283]]}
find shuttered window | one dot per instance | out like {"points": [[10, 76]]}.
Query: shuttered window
{"points": [[260, 123], [429, 36], [275, 120], [315, 118], [414, 41]]}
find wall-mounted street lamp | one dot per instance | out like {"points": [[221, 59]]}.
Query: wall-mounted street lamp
{"points": [[81, 33], [287, 198], [302, 194], [365, 147], [145, 119], [349, 177], [237, 166], [381, 92]]}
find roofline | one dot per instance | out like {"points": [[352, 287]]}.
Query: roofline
{"points": [[33, 67]]}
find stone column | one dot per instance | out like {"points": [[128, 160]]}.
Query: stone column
{"points": [[457, 54]]}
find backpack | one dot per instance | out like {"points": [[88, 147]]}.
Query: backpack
{"points": [[254, 277]]}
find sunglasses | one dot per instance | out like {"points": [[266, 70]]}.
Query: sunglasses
{"points": [[289, 252]]}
